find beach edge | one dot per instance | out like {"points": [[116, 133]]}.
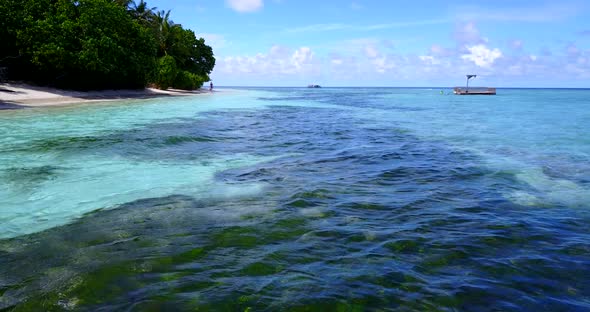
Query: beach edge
{"points": [[20, 95]]}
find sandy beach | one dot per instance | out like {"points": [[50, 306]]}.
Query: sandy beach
{"points": [[19, 95]]}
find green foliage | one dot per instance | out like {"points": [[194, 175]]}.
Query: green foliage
{"points": [[98, 44], [88, 44], [10, 21], [191, 54], [188, 81], [167, 72]]}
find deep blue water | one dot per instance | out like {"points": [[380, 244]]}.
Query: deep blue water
{"points": [[327, 199]]}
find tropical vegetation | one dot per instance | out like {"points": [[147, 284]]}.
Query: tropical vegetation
{"points": [[99, 44]]}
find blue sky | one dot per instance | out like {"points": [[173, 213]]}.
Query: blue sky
{"points": [[392, 43]]}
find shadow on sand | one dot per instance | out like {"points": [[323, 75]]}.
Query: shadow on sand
{"points": [[5, 105]]}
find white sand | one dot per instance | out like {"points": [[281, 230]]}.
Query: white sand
{"points": [[18, 95]]}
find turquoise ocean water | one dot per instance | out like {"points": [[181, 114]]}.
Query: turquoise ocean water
{"points": [[289, 198]]}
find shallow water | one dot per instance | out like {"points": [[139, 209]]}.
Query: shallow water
{"points": [[321, 199]]}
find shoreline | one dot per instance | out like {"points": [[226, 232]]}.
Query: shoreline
{"points": [[21, 96]]}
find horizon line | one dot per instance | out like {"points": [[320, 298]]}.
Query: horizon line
{"points": [[406, 87]]}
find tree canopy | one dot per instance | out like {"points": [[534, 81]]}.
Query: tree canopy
{"points": [[99, 44]]}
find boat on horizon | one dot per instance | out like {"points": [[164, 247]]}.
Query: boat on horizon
{"points": [[473, 90], [313, 86]]}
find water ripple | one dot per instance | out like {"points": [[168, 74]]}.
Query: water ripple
{"points": [[352, 215]]}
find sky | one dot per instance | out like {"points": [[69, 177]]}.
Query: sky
{"points": [[507, 43]]}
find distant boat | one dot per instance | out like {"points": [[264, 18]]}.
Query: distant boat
{"points": [[472, 90], [314, 86]]}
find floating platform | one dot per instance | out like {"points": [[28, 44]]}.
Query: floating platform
{"points": [[474, 91]]}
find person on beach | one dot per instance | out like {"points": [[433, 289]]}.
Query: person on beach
{"points": [[211, 86]]}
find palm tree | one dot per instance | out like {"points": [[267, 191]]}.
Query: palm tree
{"points": [[142, 12], [163, 26], [123, 3]]}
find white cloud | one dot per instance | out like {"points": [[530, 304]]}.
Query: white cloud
{"points": [[245, 6], [429, 59], [467, 33], [374, 61], [343, 67], [301, 57], [371, 51], [337, 61], [383, 64], [481, 55], [278, 61]]}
